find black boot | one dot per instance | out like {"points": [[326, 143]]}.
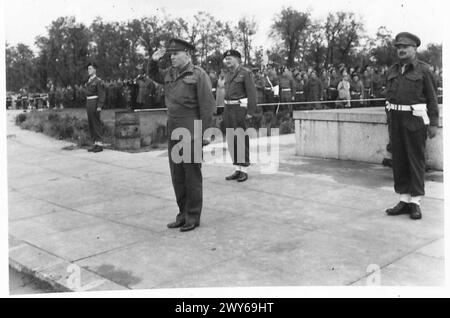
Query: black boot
{"points": [[242, 177], [175, 224], [415, 212], [234, 176], [400, 208]]}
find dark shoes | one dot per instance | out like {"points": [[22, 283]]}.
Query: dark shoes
{"points": [[242, 177], [238, 175], [183, 226], [406, 208], [400, 208], [188, 227], [414, 211], [95, 148], [234, 176], [175, 224]]}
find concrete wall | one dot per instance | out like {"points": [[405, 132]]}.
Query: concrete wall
{"points": [[358, 134]]}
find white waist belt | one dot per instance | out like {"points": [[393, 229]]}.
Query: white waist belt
{"points": [[91, 97], [241, 102], [419, 110], [285, 89]]}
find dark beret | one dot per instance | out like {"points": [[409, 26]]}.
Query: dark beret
{"points": [[406, 38], [232, 53], [176, 45]]}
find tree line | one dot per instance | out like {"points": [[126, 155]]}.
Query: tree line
{"points": [[118, 47]]}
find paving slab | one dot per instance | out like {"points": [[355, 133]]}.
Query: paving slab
{"points": [[60, 221], [412, 270], [159, 260], [73, 193], [435, 249], [123, 207], [318, 259], [30, 207], [91, 240], [311, 223]]}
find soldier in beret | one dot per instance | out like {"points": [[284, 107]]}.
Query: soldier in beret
{"points": [[95, 99], [240, 104], [189, 98], [412, 108]]}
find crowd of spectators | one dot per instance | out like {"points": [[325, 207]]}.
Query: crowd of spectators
{"points": [[310, 88]]}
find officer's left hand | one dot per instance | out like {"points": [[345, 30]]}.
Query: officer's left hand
{"points": [[432, 130], [99, 109]]}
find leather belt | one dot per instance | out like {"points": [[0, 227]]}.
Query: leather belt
{"points": [[92, 97]]}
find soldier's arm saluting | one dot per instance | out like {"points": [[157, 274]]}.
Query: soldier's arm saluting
{"points": [[155, 72]]}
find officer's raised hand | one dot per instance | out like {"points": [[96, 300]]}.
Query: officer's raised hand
{"points": [[158, 54], [432, 130]]}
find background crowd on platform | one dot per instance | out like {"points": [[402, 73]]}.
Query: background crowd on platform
{"points": [[275, 84]]}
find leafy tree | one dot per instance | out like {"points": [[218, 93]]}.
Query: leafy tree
{"points": [[246, 29], [20, 68], [313, 49], [342, 33], [432, 55], [383, 51], [290, 26], [65, 50]]}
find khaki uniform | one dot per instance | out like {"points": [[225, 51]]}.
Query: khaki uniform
{"points": [[239, 85], [407, 129], [188, 97], [95, 97]]}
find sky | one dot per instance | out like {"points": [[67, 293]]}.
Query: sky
{"points": [[26, 19]]}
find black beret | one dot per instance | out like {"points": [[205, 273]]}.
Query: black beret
{"points": [[92, 64], [232, 53], [406, 38], [176, 45]]}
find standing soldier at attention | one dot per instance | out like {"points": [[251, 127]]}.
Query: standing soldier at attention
{"points": [[411, 103], [95, 99], [189, 99], [287, 88], [240, 104]]}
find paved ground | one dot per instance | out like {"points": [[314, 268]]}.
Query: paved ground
{"points": [[84, 221]]}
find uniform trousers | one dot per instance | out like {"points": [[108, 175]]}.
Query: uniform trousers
{"points": [[239, 148], [95, 125], [186, 174], [187, 183], [408, 135]]}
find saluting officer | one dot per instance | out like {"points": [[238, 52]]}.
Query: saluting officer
{"points": [[95, 99], [189, 98], [240, 104], [412, 107]]}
